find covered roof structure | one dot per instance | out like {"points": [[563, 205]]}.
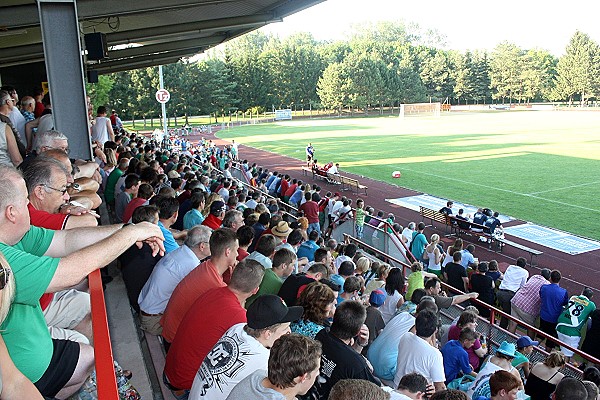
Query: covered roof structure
{"points": [[158, 31], [42, 41]]}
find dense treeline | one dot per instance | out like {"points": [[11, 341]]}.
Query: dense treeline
{"points": [[380, 65]]}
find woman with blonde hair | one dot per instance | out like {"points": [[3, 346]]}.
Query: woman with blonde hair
{"points": [[13, 384], [544, 377], [434, 255], [416, 280], [319, 303], [303, 221], [382, 274]]}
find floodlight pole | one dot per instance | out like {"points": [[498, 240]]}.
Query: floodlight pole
{"points": [[163, 105]]}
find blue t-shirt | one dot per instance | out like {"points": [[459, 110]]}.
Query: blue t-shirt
{"points": [[297, 196], [170, 243], [418, 244], [456, 360], [307, 249], [553, 299], [192, 218], [467, 258]]}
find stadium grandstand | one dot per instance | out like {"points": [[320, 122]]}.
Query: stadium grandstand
{"points": [[188, 268]]}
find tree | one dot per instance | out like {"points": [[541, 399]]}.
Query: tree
{"points": [[537, 73], [122, 94], [295, 67], [218, 91], [505, 71], [578, 71], [436, 76], [100, 92], [463, 76], [332, 87], [480, 76], [411, 88], [365, 81], [249, 69]]}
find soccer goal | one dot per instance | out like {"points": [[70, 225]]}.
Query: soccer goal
{"points": [[421, 109]]}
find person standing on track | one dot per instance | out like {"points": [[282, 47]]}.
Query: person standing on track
{"points": [[310, 154]]}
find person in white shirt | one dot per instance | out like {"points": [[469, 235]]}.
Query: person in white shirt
{"points": [[334, 169], [335, 202], [514, 278], [418, 352], [412, 386], [15, 115], [293, 368], [408, 233], [102, 130], [171, 270], [244, 348]]}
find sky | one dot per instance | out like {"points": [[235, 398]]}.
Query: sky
{"points": [[466, 24]]}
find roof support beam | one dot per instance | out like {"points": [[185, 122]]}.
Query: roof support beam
{"points": [[141, 61], [167, 46], [64, 66], [132, 36], [27, 15]]}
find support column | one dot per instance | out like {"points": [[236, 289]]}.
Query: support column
{"points": [[64, 68]]}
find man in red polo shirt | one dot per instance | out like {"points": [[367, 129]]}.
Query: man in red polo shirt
{"points": [[208, 275], [210, 316], [66, 312], [46, 180]]}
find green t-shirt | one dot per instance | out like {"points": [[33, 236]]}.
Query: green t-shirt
{"points": [[360, 217], [270, 284], [24, 331], [574, 315], [519, 359], [111, 182], [415, 281]]}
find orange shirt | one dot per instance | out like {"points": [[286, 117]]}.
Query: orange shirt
{"points": [[202, 278]]}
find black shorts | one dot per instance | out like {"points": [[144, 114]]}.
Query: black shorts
{"points": [[64, 359], [550, 329]]}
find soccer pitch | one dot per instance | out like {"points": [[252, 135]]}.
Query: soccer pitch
{"points": [[538, 166]]}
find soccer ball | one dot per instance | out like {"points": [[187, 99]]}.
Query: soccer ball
{"points": [[396, 174]]}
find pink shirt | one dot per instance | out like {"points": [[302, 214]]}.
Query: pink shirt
{"points": [[528, 297]]}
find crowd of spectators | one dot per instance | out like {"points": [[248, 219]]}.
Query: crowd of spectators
{"points": [[247, 290]]}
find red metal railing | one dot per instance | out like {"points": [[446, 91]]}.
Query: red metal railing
{"points": [[105, 371], [494, 312]]}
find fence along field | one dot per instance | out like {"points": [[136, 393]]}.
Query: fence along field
{"points": [[539, 166]]}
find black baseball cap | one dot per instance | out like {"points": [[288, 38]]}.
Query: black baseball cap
{"points": [[269, 309]]}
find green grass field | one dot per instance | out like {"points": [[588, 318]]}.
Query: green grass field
{"points": [[538, 166]]}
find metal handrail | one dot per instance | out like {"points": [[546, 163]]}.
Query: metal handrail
{"points": [[405, 266], [397, 234], [494, 312]]}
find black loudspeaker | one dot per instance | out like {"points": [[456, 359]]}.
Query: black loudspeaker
{"points": [[96, 46], [92, 76]]}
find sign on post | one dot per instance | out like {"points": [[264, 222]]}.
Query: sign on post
{"points": [[162, 96]]}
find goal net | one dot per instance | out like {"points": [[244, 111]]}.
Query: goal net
{"points": [[424, 109]]}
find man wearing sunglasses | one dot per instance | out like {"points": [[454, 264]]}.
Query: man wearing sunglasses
{"points": [[46, 261]]}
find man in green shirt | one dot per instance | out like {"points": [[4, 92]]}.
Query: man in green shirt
{"points": [[46, 261], [524, 349], [283, 265], [111, 181], [575, 314]]}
